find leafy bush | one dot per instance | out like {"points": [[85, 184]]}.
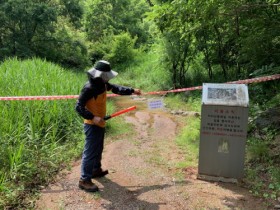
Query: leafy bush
{"points": [[117, 49], [146, 71], [122, 49], [99, 49]]}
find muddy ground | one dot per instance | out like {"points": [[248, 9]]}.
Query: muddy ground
{"points": [[142, 173]]}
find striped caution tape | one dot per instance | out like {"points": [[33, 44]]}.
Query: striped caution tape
{"points": [[246, 81], [29, 98], [256, 80]]}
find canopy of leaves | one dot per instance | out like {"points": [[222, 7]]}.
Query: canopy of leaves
{"points": [[234, 37], [31, 28]]}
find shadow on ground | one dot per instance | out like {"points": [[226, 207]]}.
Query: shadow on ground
{"points": [[128, 197]]}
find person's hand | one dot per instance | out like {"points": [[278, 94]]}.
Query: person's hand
{"points": [[137, 91], [97, 120]]}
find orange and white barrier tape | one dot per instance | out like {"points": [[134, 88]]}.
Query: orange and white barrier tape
{"points": [[256, 80], [246, 81], [29, 98]]}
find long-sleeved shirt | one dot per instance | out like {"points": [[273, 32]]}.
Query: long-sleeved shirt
{"points": [[92, 99]]}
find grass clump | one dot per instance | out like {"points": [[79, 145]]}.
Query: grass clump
{"points": [[188, 140], [184, 101], [38, 138]]}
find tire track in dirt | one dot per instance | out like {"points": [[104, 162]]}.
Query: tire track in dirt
{"points": [[143, 174]]}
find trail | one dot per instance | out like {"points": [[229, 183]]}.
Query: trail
{"points": [[142, 173]]}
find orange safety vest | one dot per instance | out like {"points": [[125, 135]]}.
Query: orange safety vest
{"points": [[97, 106]]}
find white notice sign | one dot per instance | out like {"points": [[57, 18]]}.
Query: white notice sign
{"points": [[155, 104]]}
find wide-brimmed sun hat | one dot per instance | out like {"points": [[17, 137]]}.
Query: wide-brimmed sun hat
{"points": [[102, 69]]}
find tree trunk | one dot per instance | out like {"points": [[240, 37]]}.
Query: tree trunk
{"points": [[174, 73], [208, 62], [221, 52], [207, 57], [237, 29]]}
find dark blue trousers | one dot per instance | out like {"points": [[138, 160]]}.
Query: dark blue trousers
{"points": [[93, 148]]}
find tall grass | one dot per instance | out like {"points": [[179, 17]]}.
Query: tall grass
{"points": [[36, 136]]}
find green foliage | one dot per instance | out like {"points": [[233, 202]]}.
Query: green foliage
{"points": [[73, 10], [100, 49], [263, 48], [122, 49], [115, 29], [111, 17], [42, 29], [265, 94], [266, 70], [145, 72], [177, 41], [258, 150], [194, 42], [188, 139], [218, 31], [117, 49], [73, 50], [190, 101], [97, 19], [262, 156], [264, 182], [37, 137], [18, 18]]}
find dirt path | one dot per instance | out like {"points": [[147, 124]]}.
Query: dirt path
{"points": [[142, 174]]}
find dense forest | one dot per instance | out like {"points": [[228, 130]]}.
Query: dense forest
{"points": [[185, 43], [209, 40]]}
